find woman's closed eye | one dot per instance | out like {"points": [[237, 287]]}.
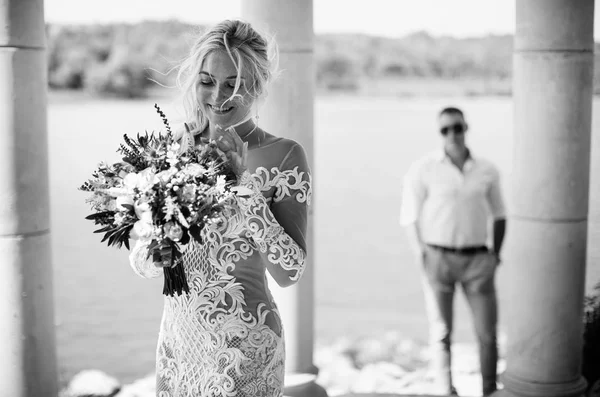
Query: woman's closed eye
{"points": [[229, 84]]}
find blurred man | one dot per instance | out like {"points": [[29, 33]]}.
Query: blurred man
{"points": [[449, 198]]}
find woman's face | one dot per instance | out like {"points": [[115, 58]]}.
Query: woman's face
{"points": [[216, 85]]}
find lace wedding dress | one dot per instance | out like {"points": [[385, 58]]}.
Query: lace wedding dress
{"points": [[225, 337]]}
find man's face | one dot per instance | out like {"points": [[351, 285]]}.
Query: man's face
{"points": [[453, 129]]}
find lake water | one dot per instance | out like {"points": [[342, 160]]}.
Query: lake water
{"points": [[365, 280]]}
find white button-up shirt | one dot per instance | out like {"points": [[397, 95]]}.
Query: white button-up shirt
{"points": [[452, 208]]}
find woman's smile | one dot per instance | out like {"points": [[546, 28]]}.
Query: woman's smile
{"points": [[223, 109]]}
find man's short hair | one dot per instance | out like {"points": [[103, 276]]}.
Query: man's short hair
{"points": [[451, 111]]}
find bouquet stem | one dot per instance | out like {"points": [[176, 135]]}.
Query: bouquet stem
{"points": [[175, 281]]}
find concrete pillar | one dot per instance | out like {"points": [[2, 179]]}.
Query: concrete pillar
{"points": [[546, 240], [289, 112], [27, 352]]}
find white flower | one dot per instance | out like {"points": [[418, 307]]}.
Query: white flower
{"points": [[111, 206], [173, 231], [142, 230], [143, 211], [142, 181], [220, 185], [173, 154], [194, 169], [123, 200], [166, 175], [119, 218], [188, 193], [116, 191], [170, 208]]}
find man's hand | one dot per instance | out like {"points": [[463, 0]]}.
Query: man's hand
{"points": [[496, 256]]}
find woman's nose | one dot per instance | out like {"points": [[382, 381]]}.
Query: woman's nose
{"points": [[218, 95]]}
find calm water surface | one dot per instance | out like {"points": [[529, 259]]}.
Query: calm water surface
{"points": [[366, 282]]}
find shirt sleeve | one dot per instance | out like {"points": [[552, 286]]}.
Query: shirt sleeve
{"points": [[414, 193], [495, 199]]}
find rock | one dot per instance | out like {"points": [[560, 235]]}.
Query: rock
{"points": [[145, 387], [337, 375], [381, 377], [92, 383], [372, 350]]}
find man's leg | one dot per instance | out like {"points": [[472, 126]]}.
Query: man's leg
{"points": [[439, 294], [481, 296]]}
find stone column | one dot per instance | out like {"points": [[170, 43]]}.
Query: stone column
{"points": [[27, 358], [289, 112], [547, 232]]}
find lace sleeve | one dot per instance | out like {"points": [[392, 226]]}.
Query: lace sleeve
{"points": [[141, 265], [279, 230]]}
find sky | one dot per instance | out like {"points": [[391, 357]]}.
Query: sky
{"points": [[391, 18]]}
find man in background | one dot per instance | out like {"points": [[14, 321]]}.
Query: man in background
{"points": [[449, 198]]}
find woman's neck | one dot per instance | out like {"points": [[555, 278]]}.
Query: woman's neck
{"points": [[244, 130]]}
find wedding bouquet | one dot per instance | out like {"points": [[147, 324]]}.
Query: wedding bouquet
{"points": [[163, 193]]}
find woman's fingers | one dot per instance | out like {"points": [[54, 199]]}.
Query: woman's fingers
{"points": [[162, 257]]}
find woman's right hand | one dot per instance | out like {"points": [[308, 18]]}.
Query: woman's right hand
{"points": [[236, 150], [162, 256]]}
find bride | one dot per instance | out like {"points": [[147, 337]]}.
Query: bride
{"points": [[225, 337]]}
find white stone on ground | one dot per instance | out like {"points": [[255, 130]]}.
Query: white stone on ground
{"points": [[386, 363], [92, 382]]}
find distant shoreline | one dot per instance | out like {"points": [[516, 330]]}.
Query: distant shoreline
{"points": [[398, 87]]}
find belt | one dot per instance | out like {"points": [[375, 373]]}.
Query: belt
{"points": [[462, 250]]}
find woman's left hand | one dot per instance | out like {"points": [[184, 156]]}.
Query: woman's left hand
{"points": [[229, 142]]}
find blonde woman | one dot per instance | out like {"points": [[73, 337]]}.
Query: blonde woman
{"points": [[225, 337]]}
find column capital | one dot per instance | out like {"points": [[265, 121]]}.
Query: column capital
{"points": [[554, 25], [22, 24]]}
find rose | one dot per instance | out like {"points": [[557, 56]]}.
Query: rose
{"points": [[173, 231]]}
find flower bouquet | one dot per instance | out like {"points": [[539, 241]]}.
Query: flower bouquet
{"points": [[161, 192]]}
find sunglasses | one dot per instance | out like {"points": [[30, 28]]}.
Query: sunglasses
{"points": [[458, 128]]}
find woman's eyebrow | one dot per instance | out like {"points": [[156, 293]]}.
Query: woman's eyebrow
{"points": [[227, 78]]}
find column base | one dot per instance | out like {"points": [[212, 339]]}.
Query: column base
{"points": [[302, 385], [517, 387]]}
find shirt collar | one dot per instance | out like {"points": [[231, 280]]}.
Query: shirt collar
{"points": [[442, 156]]}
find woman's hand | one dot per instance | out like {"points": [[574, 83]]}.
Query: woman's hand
{"points": [[162, 256], [229, 142]]}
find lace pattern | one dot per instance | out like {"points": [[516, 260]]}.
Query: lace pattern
{"points": [[264, 228]]}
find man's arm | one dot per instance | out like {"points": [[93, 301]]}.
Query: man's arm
{"points": [[413, 196], [499, 230], [414, 239], [498, 210]]}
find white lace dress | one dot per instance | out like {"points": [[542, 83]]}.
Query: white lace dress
{"points": [[225, 337]]}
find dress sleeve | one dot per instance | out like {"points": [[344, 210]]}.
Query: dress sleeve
{"points": [[141, 265], [279, 229]]}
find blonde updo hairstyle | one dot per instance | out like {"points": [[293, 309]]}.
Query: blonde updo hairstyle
{"points": [[252, 55]]}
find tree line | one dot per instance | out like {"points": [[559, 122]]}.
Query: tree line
{"points": [[127, 59]]}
